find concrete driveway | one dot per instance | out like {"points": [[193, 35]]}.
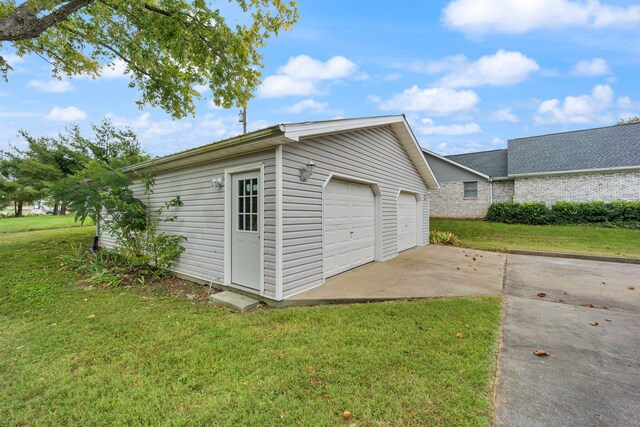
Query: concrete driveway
{"points": [[424, 272], [592, 374]]}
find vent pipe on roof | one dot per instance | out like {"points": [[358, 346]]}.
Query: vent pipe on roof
{"points": [[242, 118]]}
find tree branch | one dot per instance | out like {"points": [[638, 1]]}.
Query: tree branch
{"points": [[23, 22]]}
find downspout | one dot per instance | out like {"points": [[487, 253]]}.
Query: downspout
{"points": [[96, 239], [491, 190]]}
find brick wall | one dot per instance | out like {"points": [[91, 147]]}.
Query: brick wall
{"points": [[503, 191], [449, 201], [606, 187]]}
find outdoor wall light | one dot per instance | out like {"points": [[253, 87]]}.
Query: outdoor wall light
{"points": [[307, 170], [217, 183]]}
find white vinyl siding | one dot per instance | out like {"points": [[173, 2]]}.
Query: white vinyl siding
{"points": [[373, 154], [201, 218]]}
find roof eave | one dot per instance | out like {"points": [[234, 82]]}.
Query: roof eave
{"points": [[573, 172], [244, 143]]}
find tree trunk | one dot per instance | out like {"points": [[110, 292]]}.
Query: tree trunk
{"points": [[19, 209], [63, 209], [25, 22], [55, 208]]}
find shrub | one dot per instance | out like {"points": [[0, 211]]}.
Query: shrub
{"points": [[619, 214], [502, 212], [624, 211], [444, 238], [533, 213], [566, 212], [592, 212]]}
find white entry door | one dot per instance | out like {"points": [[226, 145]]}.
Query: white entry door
{"points": [[349, 226], [245, 230], [407, 221]]}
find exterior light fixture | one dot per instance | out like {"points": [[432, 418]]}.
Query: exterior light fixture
{"points": [[217, 183], [307, 170]]}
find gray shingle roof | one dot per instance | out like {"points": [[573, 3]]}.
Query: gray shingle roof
{"points": [[492, 163], [601, 148]]}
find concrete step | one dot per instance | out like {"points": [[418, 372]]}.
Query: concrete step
{"points": [[234, 301]]}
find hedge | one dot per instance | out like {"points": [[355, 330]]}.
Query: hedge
{"points": [[619, 213]]}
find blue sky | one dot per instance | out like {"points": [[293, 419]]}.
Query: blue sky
{"points": [[469, 75]]}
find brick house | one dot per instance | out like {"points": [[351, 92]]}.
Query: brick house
{"points": [[586, 165]]}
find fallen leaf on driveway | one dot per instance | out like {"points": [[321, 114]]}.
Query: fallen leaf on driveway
{"points": [[594, 323], [459, 335], [607, 320], [346, 415], [631, 288], [540, 353], [588, 305], [542, 294]]}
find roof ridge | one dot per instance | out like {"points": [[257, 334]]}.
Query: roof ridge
{"points": [[476, 152]]}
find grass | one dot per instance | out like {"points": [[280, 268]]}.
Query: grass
{"points": [[77, 355], [551, 238], [45, 222]]}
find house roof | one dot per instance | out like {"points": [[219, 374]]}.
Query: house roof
{"points": [[612, 147], [454, 163], [287, 133], [491, 163]]}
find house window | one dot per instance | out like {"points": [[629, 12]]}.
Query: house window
{"points": [[471, 190]]}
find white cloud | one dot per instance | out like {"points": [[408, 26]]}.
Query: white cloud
{"points": [[51, 86], [465, 129], [437, 101], [594, 67], [308, 104], [504, 68], [504, 115], [147, 128], [68, 114], [301, 75], [499, 142], [577, 109], [116, 70], [11, 58], [477, 17]]}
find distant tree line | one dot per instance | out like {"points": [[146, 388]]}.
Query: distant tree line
{"points": [[66, 170]]}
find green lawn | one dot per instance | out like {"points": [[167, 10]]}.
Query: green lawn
{"points": [[75, 355], [551, 238], [31, 223]]}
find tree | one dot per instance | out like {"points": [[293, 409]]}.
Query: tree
{"points": [[634, 119], [168, 46], [101, 158]]}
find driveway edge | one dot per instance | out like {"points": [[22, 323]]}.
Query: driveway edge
{"points": [[623, 260]]}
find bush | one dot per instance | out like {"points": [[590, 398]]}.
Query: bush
{"points": [[502, 212], [619, 214], [624, 211], [566, 212], [444, 238], [533, 213], [593, 212]]}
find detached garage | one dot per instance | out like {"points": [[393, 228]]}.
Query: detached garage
{"points": [[278, 211]]}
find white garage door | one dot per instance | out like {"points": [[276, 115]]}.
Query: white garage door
{"points": [[407, 221], [349, 226]]}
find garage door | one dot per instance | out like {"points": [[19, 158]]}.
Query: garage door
{"points": [[407, 221], [349, 226]]}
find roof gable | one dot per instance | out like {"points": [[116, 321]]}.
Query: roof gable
{"points": [[491, 163]]}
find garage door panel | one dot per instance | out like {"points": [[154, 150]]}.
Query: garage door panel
{"points": [[349, 226], [407, 221]]}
